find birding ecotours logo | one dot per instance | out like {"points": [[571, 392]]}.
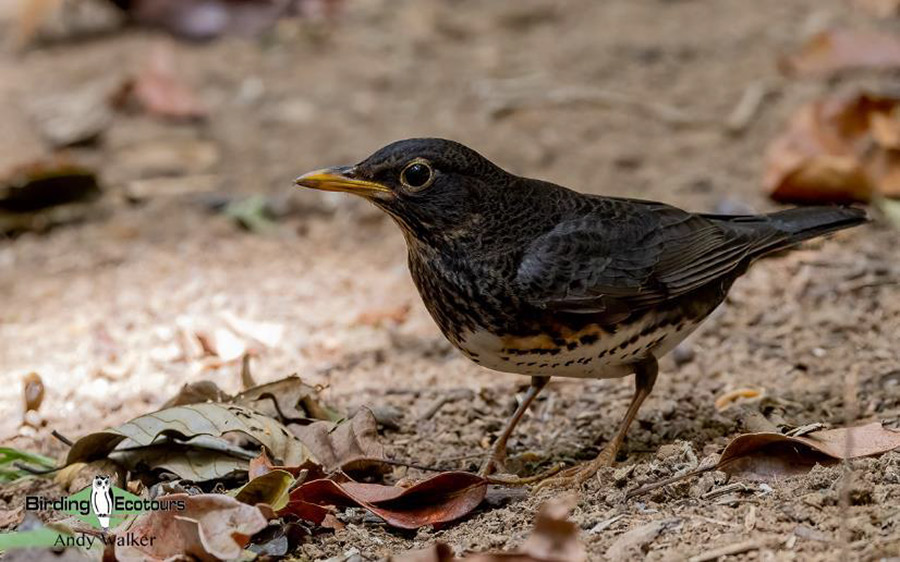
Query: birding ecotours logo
{"points": [[101, 506]]}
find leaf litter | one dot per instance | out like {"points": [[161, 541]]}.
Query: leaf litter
{"points": [[837, 149]]}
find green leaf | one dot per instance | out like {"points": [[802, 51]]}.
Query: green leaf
{"points": [[8, 456]]}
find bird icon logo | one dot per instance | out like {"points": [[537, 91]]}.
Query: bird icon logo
{"points": [[102, 500]]}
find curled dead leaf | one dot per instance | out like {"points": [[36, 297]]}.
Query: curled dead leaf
{"points": [[770, 455], [836, 150]]}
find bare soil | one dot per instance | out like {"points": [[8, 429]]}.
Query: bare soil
{"points": [[100, 309]]}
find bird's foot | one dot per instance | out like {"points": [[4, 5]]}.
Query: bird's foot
{"points": [[494, 464], [576, 476]]}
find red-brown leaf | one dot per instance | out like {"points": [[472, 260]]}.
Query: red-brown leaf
{"points": [[436, 500]]}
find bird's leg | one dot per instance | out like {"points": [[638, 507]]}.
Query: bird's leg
{"points": [[644, 377], [498, 451]]}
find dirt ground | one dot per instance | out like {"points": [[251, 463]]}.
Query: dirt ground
{"points": [[99, 309]]}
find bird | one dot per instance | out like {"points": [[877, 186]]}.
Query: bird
{"points": [[525, 276]]}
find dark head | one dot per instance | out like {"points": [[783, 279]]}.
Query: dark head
{"points": [[429, 186]]}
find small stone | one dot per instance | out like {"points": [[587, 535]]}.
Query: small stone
{"points": [[683, 354]]}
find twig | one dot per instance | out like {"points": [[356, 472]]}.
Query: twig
{"points": [[65, 440], [410, 465], [736, 548], [446, 398], [603, 525], [666, 481], [736, 487], [34, 470], [747, 108], [517, 481]]}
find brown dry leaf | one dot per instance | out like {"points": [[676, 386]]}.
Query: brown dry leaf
{"points": [[159, 91], [880, 8], [46, 183], [351, 446], [728, 399], [196, 392], [32, 391], [295, 400], [555, 536], [836, 50], [836, 150], [210, 527], [770, 455], [440, 499], [263, 465]]}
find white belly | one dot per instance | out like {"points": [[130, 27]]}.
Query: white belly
{"points": [[609, 355]]}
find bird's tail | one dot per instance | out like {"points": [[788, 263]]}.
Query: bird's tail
{"points": [[784, 229]]}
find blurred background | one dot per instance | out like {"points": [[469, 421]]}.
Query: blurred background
{"points": [[150, 235]]}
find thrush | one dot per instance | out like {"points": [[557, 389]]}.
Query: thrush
{"points": [[525, 276]]}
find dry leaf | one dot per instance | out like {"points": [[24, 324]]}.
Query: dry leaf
{"points": [[729, 398], [833, 51], [769, 455], [211, 527], [555, 537], [351, 446], [159, 91], [46, 183], [262, 465], [196, 392], [186, 422], [836, 150], [270, 489], [295, 399], [436, 500], [32, 391]]}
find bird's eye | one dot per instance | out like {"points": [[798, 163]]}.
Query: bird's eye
{"points": [[417, 175]]}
